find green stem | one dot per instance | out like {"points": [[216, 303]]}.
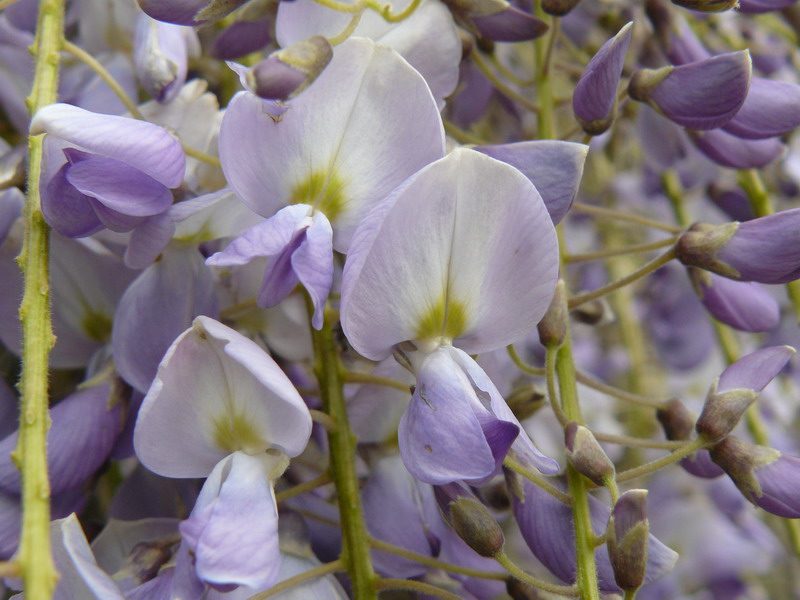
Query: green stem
{"points": [[342, 442], [112, 83], [345, 33], [609, 213], [35, 555], [367, 379], [320, 571], [302, 488], [521, 364], [543, 46], [550, 368], [462, 136], [553, 588], [500, 85], [627, 440], [433, 562], [643, 271], [586, 576], [660, 463], [537, 479], [600, 254], [403, 15], [415, 586], [595, 384]]}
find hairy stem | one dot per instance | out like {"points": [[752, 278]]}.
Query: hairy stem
{"points": [[433, 562], [320, 571], [35, 555], [553, 588]]}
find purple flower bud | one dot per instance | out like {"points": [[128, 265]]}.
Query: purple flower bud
{"points": [[595, 99], [627, 537], [744, 305], [738, 388], [189, 12], [764, 249], [678, 423], [470, 519], [730, 151], [766, 477], [772, 108], [559, 8], [251, 31], [707, 5], [289, 71], [762, 6], [732, 201], [586, 455], [510, 25], [701, 95]]}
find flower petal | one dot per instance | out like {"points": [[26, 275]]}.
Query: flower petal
{"points": [[217, 392], [140, 144], [441, 438], [233, 528], [435, 262]]}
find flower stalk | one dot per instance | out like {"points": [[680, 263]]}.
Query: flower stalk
{"points": [[35, 554]]}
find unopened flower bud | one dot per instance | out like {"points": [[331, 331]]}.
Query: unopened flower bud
{"points": [[525, 401], [765, 477], [594, 312], [704, 94], [289, 71], [744, 305], [722, 411], [189, 12], [700, 245], [470, 519], [707, 5], [510, 25], [595, 99], [559, 8], [730, 151], [627, 539], [737, 388], [553, 326], [521, 591], [586, 455], [676, 420]]}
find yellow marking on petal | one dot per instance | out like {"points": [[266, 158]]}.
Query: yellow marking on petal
{"points": [[234, 432], [324, 191], [444, 322], [96, 326]]}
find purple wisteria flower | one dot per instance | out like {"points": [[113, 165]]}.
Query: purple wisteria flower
{"points": [[104, 171], [221, 407], [745, 305], [459, 285], [161, 54]]}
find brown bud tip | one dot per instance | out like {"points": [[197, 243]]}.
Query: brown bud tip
{"points": [[722, 412], [677, 420], [521, 591], [559, 8], [586, 455], [525, 401], [474, 524]]}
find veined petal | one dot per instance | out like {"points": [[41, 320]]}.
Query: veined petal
{"points": [[440, 262], [217, 392], [441, 438], [771, 108], [365, 138], [118, 186], [156, 308], [233, 528], [756, 370], [554, 167], [142, 145], [491, 398], [67, 210]]}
